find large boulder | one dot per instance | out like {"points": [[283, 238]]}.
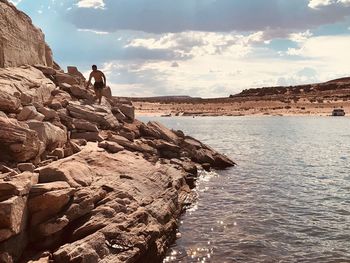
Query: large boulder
{"points": [[84, 125], [51, 135], [127, 110], [60, 99], [21, 42], [72, 70], [13, 208], [167, 149], [47, 71], [17, 141], [13, 215], [44, 206], [61, 78], [80, 93], [88, 136], [157, 130], [107, 92], [138, 146], [30, 112], [99, 115], [9, 103], [48, 113]]}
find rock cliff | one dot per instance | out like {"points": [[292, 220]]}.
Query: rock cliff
{"points": [[20, 41]]}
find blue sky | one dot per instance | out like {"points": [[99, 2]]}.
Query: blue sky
{"points": [[206, 48]]}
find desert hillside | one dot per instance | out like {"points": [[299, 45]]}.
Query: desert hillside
{"points": [[311, 99]]}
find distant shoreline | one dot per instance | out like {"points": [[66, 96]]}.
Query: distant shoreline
{"points": [[303, 100], [239, 108], [156, 115]]}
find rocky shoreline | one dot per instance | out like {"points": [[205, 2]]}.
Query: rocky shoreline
{"points": [[82, 182]]}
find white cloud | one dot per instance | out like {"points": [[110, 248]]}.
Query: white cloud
{"points": [[326, 48], [328, 54], [193, 44], [321, 3], [15, 2], [300, 37], [220, 74], [91, 4], [293, 52], [93, 31]]}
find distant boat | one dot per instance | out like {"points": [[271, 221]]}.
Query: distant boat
{"points": [[338, 112]]}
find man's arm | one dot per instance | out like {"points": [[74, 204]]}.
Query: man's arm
{"points": [[104, 79], [89, 82]]}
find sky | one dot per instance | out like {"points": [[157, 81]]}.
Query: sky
{"points": [[201, 48]]}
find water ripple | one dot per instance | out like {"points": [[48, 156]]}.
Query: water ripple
{"points": [[288, 200]]}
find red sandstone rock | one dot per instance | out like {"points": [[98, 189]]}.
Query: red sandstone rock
{"points": [[13, 216], [8, 102], [76, 173], [17, 141], [30, 113], [27, 82], [51, 135]]}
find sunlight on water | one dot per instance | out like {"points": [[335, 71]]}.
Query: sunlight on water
{"points": [[288, 200]]}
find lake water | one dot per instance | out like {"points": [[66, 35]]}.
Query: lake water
{"points": [[288, 200]]}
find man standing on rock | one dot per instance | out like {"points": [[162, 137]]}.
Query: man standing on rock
{"points": [[100, 82]]}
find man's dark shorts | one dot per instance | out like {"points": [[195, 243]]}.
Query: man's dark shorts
{"points": [[98, 85]]}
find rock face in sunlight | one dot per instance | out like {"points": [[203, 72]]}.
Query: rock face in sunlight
{"points": [[80, 181], [20, 41]]}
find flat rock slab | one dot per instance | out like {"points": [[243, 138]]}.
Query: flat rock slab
{"points": [[38, 189], [88, 136], [112, 147], [75, 172], [95, 238]]}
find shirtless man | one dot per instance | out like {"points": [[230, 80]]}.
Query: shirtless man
{"points": [[100, 82]]}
